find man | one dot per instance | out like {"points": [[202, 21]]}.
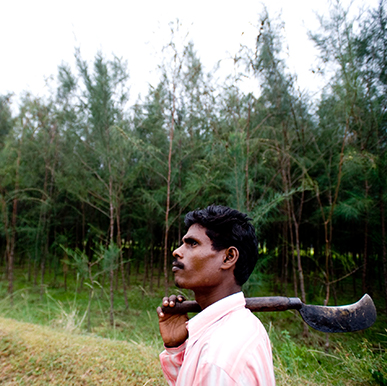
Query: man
{"points": [[225, 344]]}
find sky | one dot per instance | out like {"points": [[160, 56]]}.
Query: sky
{"points": [[37, 36]]}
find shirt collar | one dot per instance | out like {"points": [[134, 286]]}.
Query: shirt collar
{"points": [[213, 313]]}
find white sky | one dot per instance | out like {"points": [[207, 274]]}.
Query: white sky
{"points": [[37, 35]]}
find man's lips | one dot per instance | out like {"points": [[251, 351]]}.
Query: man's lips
{"points": [[177, 265]]}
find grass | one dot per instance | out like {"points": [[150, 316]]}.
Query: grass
{"points": [[38, 355], [49, 343], [306, 362]]}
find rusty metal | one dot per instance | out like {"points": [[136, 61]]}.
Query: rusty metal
{"points": [[349, 318], [353, 317]]}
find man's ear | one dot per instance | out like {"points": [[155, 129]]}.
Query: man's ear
{"points": [[230, 258]]}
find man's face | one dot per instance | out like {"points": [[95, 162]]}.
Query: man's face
{"points": [[197, 265]]}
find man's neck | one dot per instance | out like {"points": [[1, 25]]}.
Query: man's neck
{"points": [[207, 298]]}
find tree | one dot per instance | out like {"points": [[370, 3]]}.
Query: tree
{"points": [[287, 129], [352, 113], [371, 53], [98, 144]]}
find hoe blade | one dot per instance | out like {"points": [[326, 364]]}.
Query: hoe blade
{"points": [[353, 317]]}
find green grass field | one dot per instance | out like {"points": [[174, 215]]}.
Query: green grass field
{"points": [[44, 340]]}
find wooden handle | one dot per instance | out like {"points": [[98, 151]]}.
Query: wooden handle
{"points": [[273, 303], [263, 304]]}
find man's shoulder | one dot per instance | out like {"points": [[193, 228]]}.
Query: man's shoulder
{"points": [[238, 338], [239, 330]]}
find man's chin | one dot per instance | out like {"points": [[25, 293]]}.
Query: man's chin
{"points": [[179, 284]]}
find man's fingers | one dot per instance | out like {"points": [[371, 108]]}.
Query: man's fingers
{"points": [[160, 312], [180, 298], [171, 300]]}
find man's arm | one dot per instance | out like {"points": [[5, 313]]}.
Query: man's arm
{"points": [[173, 330]]}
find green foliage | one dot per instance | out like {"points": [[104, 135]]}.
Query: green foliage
{"points": [[259, 278], [109, 256], [6, 120], [80, 261]]}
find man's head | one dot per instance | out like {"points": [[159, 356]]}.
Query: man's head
{"points": [[228, 227]]}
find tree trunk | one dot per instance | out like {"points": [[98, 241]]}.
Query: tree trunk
{"points": [[365, 253], [295, 285], [43, 248], [35, 273], [151, 265], [145, 277], [119, 243], [160, 269], [11, 256], [6, 231], [111, 241], [384, 253], [247, 160], [130, 252], [299, 263], [171, 132], [42, 271], [111, 297], [65, 270], [285, 253]]}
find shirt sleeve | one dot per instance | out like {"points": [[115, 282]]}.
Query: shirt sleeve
{"points": [[171, 360]]}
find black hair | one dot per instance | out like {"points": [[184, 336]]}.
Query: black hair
{"points": [[228, 227]]}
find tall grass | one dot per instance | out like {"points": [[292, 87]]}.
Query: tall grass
{"points": [[307, 363]]}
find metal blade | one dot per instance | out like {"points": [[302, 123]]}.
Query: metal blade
{"points": [[353, 317]]}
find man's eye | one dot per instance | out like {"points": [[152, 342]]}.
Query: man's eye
{"points": [[193, 243]]}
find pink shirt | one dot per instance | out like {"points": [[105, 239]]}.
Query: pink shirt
{"points": [[227, 345]]}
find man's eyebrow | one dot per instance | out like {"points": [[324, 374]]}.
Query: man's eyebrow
{"points": [[189, 240]]}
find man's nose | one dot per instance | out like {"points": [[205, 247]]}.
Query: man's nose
{"points": [[177, 252]]}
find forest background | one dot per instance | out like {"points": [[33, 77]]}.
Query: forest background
{"points": [[95, 191]]}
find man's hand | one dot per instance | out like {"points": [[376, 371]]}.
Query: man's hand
{"points": [[172, 327]]}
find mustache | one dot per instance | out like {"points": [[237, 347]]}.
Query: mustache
{"points": [[178, 264]]}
